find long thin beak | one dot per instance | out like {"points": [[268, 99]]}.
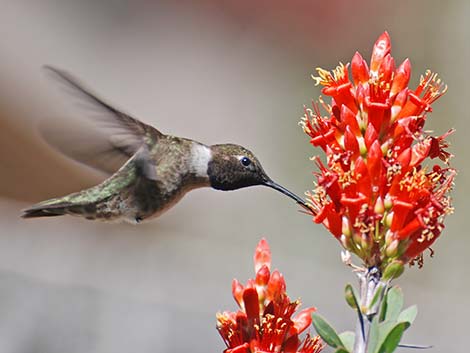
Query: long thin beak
{"points": [[286, 192]]}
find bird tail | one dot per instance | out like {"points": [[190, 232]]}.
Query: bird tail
{"points": [[83, 203], [90, 203]]}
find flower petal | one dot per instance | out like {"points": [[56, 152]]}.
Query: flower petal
{"points": [[382, 48], [262, 255]]}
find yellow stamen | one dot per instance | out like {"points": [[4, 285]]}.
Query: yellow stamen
{"points": [[330, 78]]}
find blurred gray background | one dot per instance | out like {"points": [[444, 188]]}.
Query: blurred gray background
{"points": [[216, 71]]}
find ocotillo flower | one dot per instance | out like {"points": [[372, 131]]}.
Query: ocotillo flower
{"points": [[375, 194], [264, 321]]}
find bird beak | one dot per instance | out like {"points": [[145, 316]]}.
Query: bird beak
{"points": [[286, 192]]}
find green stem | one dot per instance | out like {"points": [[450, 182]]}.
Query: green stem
{"points": [[369, 283]]}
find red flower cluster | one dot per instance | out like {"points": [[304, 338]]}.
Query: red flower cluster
{"points": [[375, 195], [264, 324]]}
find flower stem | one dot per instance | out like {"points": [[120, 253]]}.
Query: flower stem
{"points": [[369, 284]]}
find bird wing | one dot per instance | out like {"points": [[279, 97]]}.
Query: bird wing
{"points": [[106, 139]]}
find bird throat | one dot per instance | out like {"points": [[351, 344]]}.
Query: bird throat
{"points": [[201, 155]]}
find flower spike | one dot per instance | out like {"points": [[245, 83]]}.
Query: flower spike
{"points": [[384, 190], [264, 322]]}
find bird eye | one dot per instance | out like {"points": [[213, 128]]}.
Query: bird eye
{"points": [[245, 161]]}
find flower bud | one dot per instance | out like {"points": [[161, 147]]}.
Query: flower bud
{"points": [[346, 257], [365, 242], [388, 219], [393, 270], [388, 237], [262, 276], [388, 203], [357, 238], [392, 248], [237, 291], [345, 241], [262, 255], [362, 146], [345, 227], [379, 206], [350, 297]]}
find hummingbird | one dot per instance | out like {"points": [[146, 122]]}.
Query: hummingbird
{"points": [[155, 170]]}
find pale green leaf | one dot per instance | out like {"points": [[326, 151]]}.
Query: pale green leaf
{"points": [[408, 315], [348, 338], [373, 335], [342, 350], [394, 303], [326, 331]]}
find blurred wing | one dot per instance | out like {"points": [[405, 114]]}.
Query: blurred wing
{"points": [[106, 139]]}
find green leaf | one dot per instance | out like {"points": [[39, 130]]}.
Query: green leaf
{"points": [[351, 297], [326, 332], [390, 343], [378, 293], [381, 331], [383, 308], [408, 315], [394, 303], [342, 350], [373, 335], [384, 329], [348, 338], [378, 334]]}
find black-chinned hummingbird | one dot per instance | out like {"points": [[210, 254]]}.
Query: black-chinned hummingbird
{"points": [[157, 169]]}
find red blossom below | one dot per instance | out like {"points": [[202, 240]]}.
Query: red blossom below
{"points": [[375, 194], [264, 322]]}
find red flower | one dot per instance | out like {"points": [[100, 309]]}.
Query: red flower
{"points": [[374, 194], [264, 322]]}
